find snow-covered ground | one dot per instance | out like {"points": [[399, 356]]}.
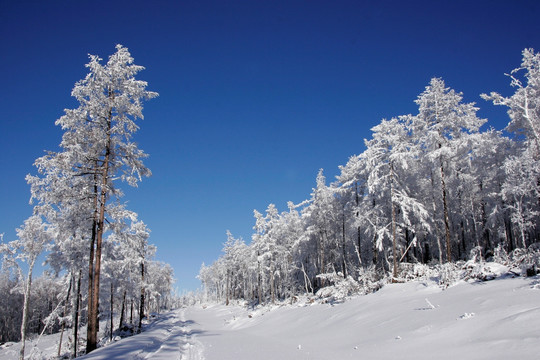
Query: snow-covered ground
{"points": [[498, 319]]}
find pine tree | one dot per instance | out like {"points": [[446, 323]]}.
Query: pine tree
{"points": [[97, 151], [441, 129], [389, 156]]}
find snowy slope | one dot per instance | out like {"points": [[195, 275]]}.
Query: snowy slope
{"points": [[498, 319], [492, 320]]}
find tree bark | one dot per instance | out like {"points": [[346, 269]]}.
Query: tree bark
{"points": [[92, 313], [93, 325], [141, 307], [272, 284], [437, 233], [26, 305], [112, 307], [227, 289], [259, 279], [446, 218], [359, 237], [322, 263], [122, 314], [343, 252], [76, 316], [63, 315], [394, 240]]}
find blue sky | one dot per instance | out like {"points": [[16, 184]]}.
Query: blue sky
{"points": [[255, 96]]}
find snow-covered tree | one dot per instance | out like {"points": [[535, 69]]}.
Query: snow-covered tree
{"points": [[10, 304], [160, 277], [441, 130], [426, 183], [352, 182], [266, 243], [33, 238], [97, 151], [520, 190], [524, 104], [322, 227], [389, 157], [134, 255]]}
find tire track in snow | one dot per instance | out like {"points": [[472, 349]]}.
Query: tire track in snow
{"points": [[180, 342], [192, 348]]}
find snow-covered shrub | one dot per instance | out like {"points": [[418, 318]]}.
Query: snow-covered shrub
{"points": [[448, 274], [408, 271], [476, 268], [526, 261], [500, 256], [370, 280], [480, 271], [341, 287], [476, 254]]}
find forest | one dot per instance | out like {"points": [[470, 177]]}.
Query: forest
{"points": [[436, 188], [99, 264]]}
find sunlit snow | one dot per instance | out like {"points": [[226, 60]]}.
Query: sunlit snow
{"points": [[498, 319]]}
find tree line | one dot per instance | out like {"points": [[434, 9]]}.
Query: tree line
{"points": [[429, 188], [97, 250]]}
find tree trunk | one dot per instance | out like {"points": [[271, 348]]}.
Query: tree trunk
{"points": [[427, 254], [92, 313], [122, 313], [63, 315], [343, 254], [359, 237], [408, 243], [509, 234], [141, 305], [259, 280], [394, 240], [485, 231], [112, 307], [93, 325], [306, 280], [464, 240], [272, 280], [462, 227], [437, 234], [322, 260], [521, 223], [446, 218], [76, 316], [375, 251], [227, 289], [26, 305]]}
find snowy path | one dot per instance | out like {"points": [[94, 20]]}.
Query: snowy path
{"points": [[192, 348], [180, 341], [171, 337]]}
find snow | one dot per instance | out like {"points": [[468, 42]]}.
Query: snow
{"points": [[498, 319]]}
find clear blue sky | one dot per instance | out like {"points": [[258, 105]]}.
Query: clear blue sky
{"points": [[255, 96]]}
